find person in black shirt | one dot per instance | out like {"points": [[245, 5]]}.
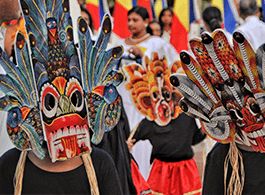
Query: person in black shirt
{"points": [[61, 177], [174, 170]]}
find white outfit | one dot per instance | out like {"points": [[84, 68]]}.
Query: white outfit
{"points": [[5, 142], [142, 149], [254, 30], [166, 36]]}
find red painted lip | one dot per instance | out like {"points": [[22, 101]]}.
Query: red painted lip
{"points": [[253, 127], [65, 121], [163, 113]]}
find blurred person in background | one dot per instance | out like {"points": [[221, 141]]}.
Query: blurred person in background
{"points": [[154, 28], [253, 28], [165, 19], [212, 19]]}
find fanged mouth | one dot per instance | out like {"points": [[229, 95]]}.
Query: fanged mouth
{"points": [[163, 112], [256, 135], [69, 142]]}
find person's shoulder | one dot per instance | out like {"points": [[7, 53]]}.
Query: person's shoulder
{"points": [[100, 155], [219, 150], [13, 153], [9, 159], [146, 122], [183, 118], [102, 161]]}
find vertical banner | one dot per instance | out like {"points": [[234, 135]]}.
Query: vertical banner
{"points": [[159, 6], [120, 17], [183, 15], [147, 5], [97, 9]]}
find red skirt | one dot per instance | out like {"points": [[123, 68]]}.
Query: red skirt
{"points": [[141, 186], [173, 178]]}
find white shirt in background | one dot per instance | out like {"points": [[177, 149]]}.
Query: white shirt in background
{"points": [[254, 30]]}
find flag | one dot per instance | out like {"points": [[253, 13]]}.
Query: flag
{"points": [[153, 10], [159, 6], [230, 22], [97, 9], [183, 15], [147, 5], [120, 18]]}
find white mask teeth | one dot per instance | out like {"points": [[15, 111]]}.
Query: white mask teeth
{"points": [[257, 133], [87, 142], [72, 130], [65, 131], [53, 150], [253, 142], [59, 133], [83, 136]]}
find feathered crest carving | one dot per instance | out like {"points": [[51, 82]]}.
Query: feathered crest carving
{"points": [[151, 90], [224, 87]]}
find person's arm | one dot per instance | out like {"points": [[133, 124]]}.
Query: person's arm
{"points": [[130, 141], [199, 133], [140, 132]]}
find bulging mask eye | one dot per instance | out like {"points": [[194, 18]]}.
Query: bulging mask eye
{"points": [[49, 100], [234, 112], [155, 95], [50, 105], [252, 106], [75, 94], [77, 100]]}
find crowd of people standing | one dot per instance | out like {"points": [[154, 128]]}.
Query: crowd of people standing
{"points": [[170, 147]]}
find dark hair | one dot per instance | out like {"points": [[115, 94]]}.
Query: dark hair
{"points": [[91, 25], [149, 30], [212, 17], [248, 7], [261, 14], [162, 14], [142, 11]]}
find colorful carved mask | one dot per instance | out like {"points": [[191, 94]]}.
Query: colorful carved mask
{"points": [[49, 94], [151, 90], [225, 88]]}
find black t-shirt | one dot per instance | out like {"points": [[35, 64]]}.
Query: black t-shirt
{"points": [[254, 168], [114, 142], [38, 181], [171, 143]]}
